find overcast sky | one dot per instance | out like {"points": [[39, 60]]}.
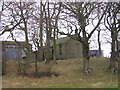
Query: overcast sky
{"points": [[106, 47]]}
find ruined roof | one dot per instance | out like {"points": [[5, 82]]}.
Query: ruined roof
{"points": [[60, 40], [12, 42]]}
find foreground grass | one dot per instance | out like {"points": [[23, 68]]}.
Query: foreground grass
{"points": [[70, 76]]}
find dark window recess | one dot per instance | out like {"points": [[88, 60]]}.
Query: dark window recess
{"points": [[52, 51], [43, 54], [60, 49]]}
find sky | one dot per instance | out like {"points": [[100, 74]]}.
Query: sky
{"points": [[94, 46], [64, 0], [106, 47]]}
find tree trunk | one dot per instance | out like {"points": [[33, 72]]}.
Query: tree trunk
{"points": [[118, 47], [86, 68], [56, 30], [99, 44], [85, 45], [2, 9], [27, 60], [41, 25], [54, 46], [36, 59], [48, 46], [48, 35], [113, 61], [28, 54], [86, 59]]}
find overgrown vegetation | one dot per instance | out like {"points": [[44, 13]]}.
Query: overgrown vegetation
{"points": [[70, 75], [42, 22]]}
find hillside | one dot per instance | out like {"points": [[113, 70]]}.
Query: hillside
{"points": [[70, 75]]}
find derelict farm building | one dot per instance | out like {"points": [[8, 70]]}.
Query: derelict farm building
{"points": [[10, 50], [66, 48]]}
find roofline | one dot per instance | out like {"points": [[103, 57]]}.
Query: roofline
{"points": [[11, 42], [95, 49]]}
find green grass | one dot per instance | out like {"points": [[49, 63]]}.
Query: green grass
{"points": [[70, 76]]}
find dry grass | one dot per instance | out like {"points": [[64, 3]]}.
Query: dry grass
{"points": [[70, 75]]}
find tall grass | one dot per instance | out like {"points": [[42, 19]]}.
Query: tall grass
{"points": [[70, 75]]}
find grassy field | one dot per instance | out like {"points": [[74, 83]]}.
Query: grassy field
{"points": [[70, 76]]}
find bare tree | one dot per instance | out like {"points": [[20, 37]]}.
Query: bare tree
{"points": [[110, 22], [55, 26], [2, 9], [19, 15], [51, 22], [5, 29], [99, 33], [99, 43], [81, 12]]}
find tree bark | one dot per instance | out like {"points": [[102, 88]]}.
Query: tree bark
{"points": [[54, 46], [28, 54], [113, 61], [99, 44], [48, 34], [36, 59], [41, 25], [1, 10], [85, 45], [86, 58]]}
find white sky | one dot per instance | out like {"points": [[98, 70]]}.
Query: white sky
{"points": [[94, 46], [105, 47]]}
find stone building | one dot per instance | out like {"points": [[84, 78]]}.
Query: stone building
{"points": [[10, 50], [66, 48]]}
